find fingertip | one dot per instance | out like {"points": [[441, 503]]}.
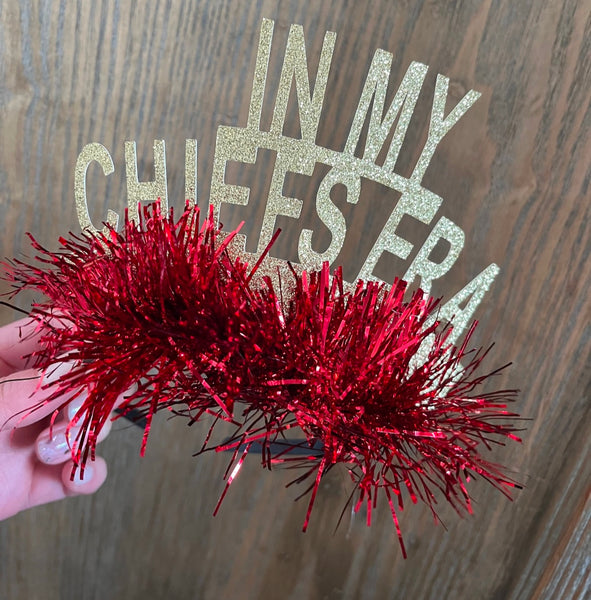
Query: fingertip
{"points": [[95, 474], [24, 396], [104, 432], [52, 446], [125, 396]]}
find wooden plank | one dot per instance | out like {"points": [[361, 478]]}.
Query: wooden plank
{"points": [[513, 174]]}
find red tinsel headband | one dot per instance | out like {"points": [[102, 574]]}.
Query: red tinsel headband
{"points": [[163, 306]]}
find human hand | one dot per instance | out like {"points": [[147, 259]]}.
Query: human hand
{"points": [[35, 467]]}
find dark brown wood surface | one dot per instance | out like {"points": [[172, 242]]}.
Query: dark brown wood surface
{"points": [[514, 175]]}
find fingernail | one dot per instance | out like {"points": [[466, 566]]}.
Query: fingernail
{"points": [[55, 450], [132, 389], [88, 473], [128, 393], [54, 372], [74, 405]]}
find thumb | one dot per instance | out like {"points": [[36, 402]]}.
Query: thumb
{"points": [[24, 396]]}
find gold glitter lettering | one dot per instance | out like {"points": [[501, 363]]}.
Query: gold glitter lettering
{"points": [[146, 191], [331, 216], [403, 103], [459, 318], [191, 172], [232, 144], [260, 75], [277, 203], [301, 156], [428, 270], [91, 152], [293, 155], [439, 126], [473, 293], [295, 64], [416, 202]]}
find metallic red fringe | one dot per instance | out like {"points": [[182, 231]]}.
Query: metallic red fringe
{"points": [[162, 306]]}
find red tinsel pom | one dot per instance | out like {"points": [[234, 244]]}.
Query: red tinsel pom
{"points": [[163, 309]]}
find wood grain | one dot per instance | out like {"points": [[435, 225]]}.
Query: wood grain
{"points": [[514, 175]]}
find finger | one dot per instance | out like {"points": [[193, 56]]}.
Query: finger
{"points": [[24, 396], [46, 485], [105, 431], [90, 481], [74, 406], [52, 482], [17, 340], [53, 445]]}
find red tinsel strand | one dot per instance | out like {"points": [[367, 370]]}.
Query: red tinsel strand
{"points": [[162, 306]]}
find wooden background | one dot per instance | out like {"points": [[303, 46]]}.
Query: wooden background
{"points": [[514, 174]]}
